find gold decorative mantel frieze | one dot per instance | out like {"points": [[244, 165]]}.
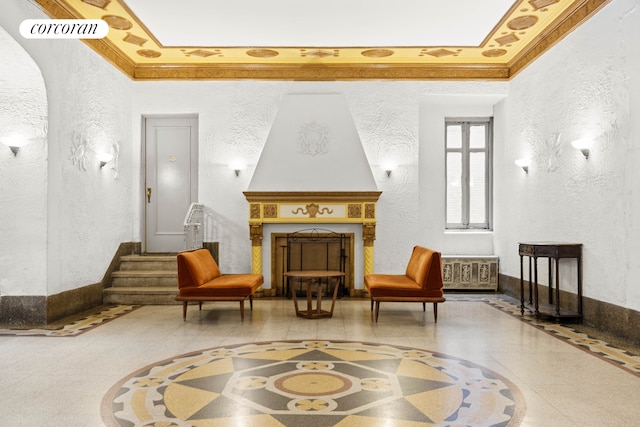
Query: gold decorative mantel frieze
{"points": [[316, 207]]}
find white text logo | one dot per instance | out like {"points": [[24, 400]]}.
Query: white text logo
{"points": [[64, 29]]}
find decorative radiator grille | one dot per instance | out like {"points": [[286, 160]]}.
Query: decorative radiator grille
{"points": [[461, 272]]}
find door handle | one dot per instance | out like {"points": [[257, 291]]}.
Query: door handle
{"points": [[149, 195]]}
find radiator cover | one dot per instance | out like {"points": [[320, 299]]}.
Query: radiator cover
{"points": [[470, 272]]}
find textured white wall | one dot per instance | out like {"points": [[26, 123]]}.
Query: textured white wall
{"points": [[235, 119], [88, 212], [586, 86], [23, 179], [588, 83]]}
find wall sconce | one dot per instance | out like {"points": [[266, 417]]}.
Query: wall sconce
{"points": [[15, 143], [583, 145], [237, 166], [388, 168], [524, 164], [104, 158]]}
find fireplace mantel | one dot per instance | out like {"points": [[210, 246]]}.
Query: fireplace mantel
{"points": [[313, 207]]}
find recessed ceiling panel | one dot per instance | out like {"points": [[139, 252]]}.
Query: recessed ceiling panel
{"points": [[326, 40], [327, 23]]}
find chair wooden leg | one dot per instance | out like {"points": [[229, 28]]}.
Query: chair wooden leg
{"points": [[200, 304], [241, 309], [435, 312], [251, 302], [377, 310], [424, 306], [184, 311], [371, 304]]}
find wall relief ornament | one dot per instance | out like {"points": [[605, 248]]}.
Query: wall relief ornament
{"points": [[115, 162], [254, 211], [79, 151], [255, 234], [312, 209], [355, 210], [314, 139], [271, 210], [368, 234], [370, 210], [552, 151]]}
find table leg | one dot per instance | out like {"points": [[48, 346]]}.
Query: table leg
{"points": [[309, 299], [530, 284], [579, 258], [521, 286], [557, 287], [551, 282], [535, 291], [295, 298], [319, 287], [335, 294]]}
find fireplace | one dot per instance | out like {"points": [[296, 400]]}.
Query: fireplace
{"points": [[272, 216], [311, 249], [312, 172]]}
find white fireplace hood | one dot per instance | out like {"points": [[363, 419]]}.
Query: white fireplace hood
{"points": [[313, 146]]}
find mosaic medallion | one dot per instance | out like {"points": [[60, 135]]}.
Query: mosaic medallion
{"points": [[338, 383]]}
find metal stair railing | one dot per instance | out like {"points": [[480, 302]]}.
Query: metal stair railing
{"points": [[194, 226]]}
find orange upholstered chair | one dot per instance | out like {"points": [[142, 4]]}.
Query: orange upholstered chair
{"points": [[199, 279], [422, 282]]}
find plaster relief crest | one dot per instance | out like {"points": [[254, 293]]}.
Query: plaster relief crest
{"points": [[314, 138], [552, 151], [115, 162], [79, 151]]}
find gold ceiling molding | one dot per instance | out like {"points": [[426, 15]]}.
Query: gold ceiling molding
{"points": [[528, 29]]}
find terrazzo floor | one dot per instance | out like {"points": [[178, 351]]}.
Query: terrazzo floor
{"points": [[545, 374]]}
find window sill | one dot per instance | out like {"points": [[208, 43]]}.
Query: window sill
{"points": [[467, 231]]}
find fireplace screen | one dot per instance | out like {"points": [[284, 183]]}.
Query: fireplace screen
{"points": [[316, 249]]}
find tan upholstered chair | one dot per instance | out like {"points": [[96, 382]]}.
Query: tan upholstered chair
{"points": [[199, 279], [422, 282]]}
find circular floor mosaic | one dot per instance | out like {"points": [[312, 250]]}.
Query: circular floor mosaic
{"points": [[338, 383]]}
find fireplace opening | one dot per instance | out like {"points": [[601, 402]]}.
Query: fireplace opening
{"points": [[311, 249]]}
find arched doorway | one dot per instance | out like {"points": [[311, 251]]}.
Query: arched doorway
{"points": [[23, 186]]}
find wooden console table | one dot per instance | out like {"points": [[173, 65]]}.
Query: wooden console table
{"points": [[311, 278], [552, 251]]}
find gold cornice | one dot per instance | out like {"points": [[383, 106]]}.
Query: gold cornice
{"points": [[58, 10], [503, 53], [318, 72], [113, 55], [316, 196], [562, 26]]}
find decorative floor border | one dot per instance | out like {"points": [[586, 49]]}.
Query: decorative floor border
{"points": [[76, 327], [601, 349]]}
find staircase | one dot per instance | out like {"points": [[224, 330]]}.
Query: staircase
{"points": [[144, 279]]}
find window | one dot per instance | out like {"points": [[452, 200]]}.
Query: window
{"points": [[468, 173]]}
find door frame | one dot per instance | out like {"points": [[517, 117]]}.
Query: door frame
{"points": [[143, 166]]}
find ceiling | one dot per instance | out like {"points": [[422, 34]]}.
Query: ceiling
{"points": [[327, 40]]}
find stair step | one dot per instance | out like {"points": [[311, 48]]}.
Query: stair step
{"points": [[144, 279], [148, 262], [135, 278], [140, 295]]}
